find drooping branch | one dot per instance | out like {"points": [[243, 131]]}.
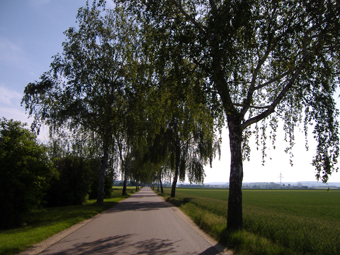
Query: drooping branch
{"points": [[279, 98]]}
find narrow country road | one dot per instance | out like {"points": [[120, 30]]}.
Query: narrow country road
{"points": [[141, 224]]}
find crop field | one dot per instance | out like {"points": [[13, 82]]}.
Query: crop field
{"points": [[275, 221]]}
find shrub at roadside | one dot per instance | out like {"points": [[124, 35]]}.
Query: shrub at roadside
{"points": [[108, 183], [73, 185], [25, 173], [78, 180]]}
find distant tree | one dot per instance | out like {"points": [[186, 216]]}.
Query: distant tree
{"points": [[126, 165], [189, 126], [160, 176], [189, 129], [192, 145], [86, 89], [263, 61], [25, 173]]}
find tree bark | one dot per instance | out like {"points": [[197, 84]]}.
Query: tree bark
{"points": [[235, 220], [125, 179], [104, 162], [158, 184], [174, 183], [160, 181]]}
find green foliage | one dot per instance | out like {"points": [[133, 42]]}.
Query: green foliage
{"points": [[258, 62], [183, 66], [91, 86], [275, 221], [281, 60], [108, 182], [25, 173], [76, 175]]}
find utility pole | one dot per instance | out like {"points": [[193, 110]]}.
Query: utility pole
{"points": [[280, 176]]}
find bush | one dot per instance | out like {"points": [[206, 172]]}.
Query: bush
{"points": [[25, 173], [108, 183], [74, 182]]}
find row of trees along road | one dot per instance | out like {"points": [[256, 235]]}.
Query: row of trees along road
{"points": [[180, 67], [105, 87]]}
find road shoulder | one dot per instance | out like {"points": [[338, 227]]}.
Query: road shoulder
{"points": [[219, 247]]}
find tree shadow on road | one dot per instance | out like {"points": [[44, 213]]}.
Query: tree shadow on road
{"points": [[147, 206], [142, 195], [122, 245], [137, 206], [178, 202], [210, 251]]}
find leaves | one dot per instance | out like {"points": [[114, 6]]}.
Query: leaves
{"points": [[24, 174], [258, 59]]}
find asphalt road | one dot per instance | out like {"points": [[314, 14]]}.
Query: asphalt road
{"points": [[141, 224]]}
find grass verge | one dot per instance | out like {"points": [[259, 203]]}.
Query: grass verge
{"points": [[49, 221], [272, 224]]}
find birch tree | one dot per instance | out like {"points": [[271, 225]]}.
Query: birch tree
{"points": [[264, 61], [85, 89]]}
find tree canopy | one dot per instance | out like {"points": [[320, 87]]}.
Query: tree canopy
{"points": [[24, 174], [87, 89], [184, 67], [262, 61]]}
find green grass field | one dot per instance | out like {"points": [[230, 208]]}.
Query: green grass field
{"points": [[275, 221], [49, 221]]}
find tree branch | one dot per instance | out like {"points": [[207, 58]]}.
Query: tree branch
{"points": [[191, 19], [213, 5], [272, 80], [278, 99], [252, 84], [253, 106]]}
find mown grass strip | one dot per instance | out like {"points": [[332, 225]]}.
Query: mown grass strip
{"points": [[275, 222], [49, 221]]}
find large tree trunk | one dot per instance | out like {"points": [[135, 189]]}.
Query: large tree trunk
{"points": [[158, 184], [125, 180], [160, 181], [235, 221], [104, 162], [174, 183]]}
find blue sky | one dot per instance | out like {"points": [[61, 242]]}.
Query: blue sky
{"points": [[31, 32]]}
